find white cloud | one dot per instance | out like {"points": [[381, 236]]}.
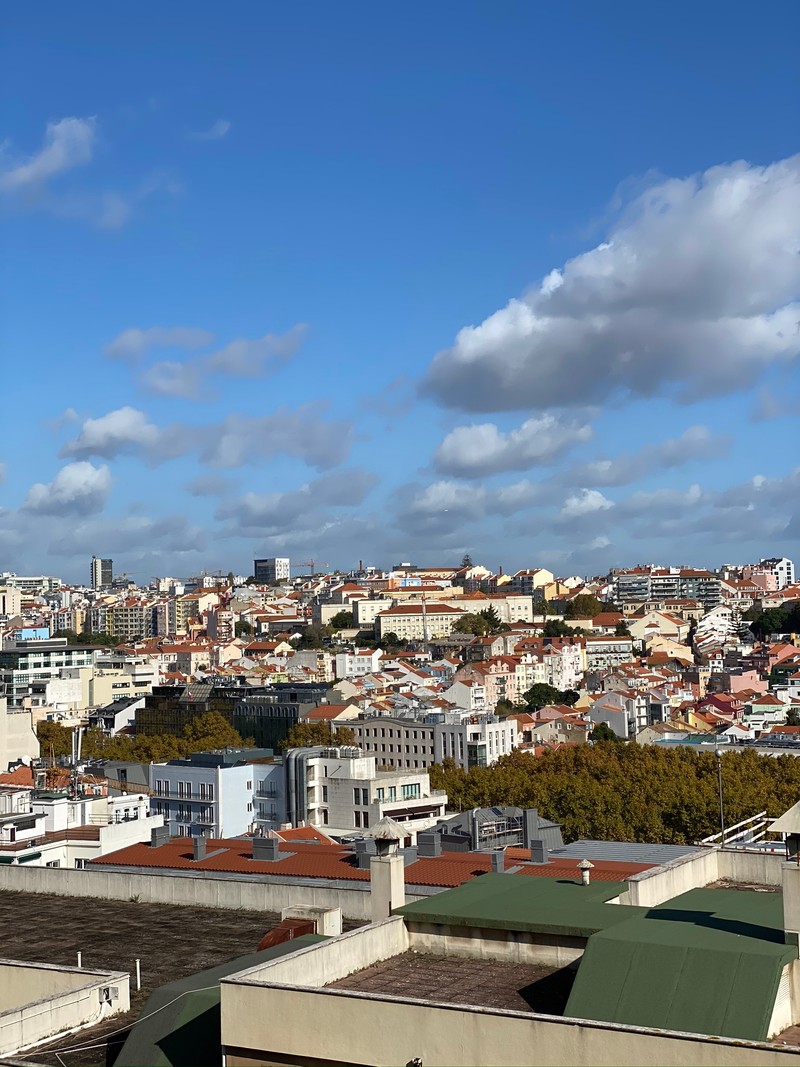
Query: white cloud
{"points": [[304, 432], [587, 502], [697, 443], [214, 133], [77, 489], [482, 449], [121, 431], [694, 292], [68, 143], [135, 343]]}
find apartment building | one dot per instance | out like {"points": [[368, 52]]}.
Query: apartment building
{"points": [[478, 741], [344, 790], [24, 662], [273, 569], [358, 662], [605, 653], [418, 622], [402, 743], [643, 584], [101, 573]]}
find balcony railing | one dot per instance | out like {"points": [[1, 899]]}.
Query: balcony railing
{"points": [[173, 794], [268, 791]]}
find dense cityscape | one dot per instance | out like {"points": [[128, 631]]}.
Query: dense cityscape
{"points": [[399, 516]]}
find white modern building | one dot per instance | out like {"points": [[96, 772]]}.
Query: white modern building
{"points": [[273, 569]]}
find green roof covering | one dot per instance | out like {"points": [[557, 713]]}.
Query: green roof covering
{"points": [[185, 1032], [707, 962], [535, 905]]}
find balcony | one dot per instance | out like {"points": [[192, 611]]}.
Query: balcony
{"points": [[269, 792]]}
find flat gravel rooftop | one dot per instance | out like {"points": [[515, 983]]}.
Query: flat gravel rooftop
{"points": [[455, 980]]}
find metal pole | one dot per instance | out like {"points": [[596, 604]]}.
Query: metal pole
{"points": [[721, 803], [80, 956], [138, 974]]}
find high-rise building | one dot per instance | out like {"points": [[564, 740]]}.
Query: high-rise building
{"points": [[102, 572], [272, 570]]}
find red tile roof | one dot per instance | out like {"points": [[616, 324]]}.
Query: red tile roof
{"points": [[301, 858]]}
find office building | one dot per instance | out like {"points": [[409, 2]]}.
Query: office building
{"points": [[102, 573], [271, 570]]}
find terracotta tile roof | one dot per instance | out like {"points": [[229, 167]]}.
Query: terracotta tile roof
{"points": [[326, 711], [301, 858]]}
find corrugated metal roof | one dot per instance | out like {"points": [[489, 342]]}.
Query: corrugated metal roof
{"points": [[624, 851]]}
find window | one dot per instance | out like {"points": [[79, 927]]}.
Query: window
{"points": [[392, 792], [379, 794], [324, 816], [211, 792], [79, 864], [357, 819], [410, 791], [249, 785], [249, 807], [324, 794], [356, 796], [54, 863], [365, 796]]}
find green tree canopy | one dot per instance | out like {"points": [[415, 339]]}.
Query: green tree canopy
{"points": [[314, 636], [243, 628], [492, 619], [309, 734], [210, 731], [628, 792], [342, 620], [554, 627], [75, 638], [583, 606], [603, 732], [541, 694], [472, 623]]}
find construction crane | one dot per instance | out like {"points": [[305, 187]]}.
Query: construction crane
{"points": [[310, 563]]}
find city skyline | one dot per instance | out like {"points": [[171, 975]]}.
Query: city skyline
{"points": [[521, 283]]}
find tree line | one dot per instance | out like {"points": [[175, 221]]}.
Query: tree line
{"points": [[205, 732], [628, 792]]}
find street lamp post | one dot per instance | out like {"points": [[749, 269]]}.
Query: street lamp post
{"points": [[718, 754]]}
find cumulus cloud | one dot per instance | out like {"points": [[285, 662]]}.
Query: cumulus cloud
{"points": [[482, 449], [136, 537], [271, 514], [696, 443], [134, 344], [67, 143], [241, 358], [122, 431], [209, 485], [214, 133], [587, 502], [304, 432], [694, 292], [77, 489]]}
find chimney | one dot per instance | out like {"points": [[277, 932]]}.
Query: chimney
{"points": [[429, 844], [410, 855], [266, 849], [159, 836], [538, 852], [585, 867], [790, 879], [499, 861], [199, 848], [530, 826]]}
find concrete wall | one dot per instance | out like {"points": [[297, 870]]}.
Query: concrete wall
{"points": [[39, 1001], [319, 965], [354, 1028], [201, 892], [509, 946], [753, 868], [653, 887]]}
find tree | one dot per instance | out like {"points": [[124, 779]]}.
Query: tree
{"points": [[554, 627], [542, 694], [314, 635], [570, 697], [793, 717], [342, 620], [504, 708], [603, 732], [466, 562], [472, 623], [621, 629], [492, 619], [583, 606], [243, 628], [54, 738], [391, 640], [210, 731], [230, 580], [309, 734]]}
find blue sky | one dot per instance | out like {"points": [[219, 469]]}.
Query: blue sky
{"points": [[397, 282]]}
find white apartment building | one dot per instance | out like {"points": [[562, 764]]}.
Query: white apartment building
{"points": [[604, 653], [342, 790], [18, 740], [474, 743], [52, 829], [10, 601], [416, 622], [358, 662]]}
